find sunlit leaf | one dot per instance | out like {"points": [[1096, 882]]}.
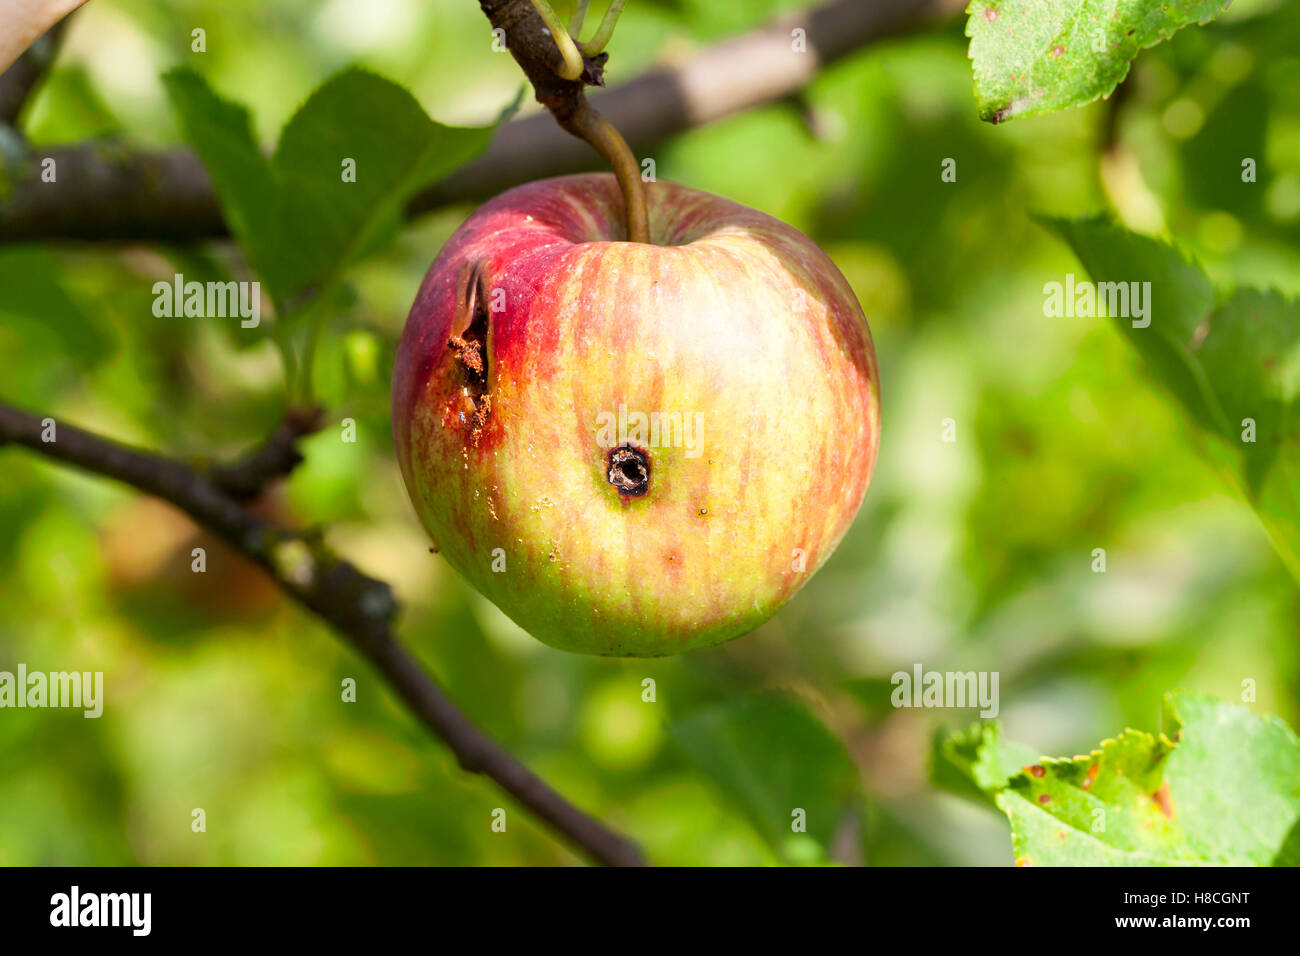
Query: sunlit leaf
{"points": [[977, 762], [1038, 56], [1231, 359], [774, 758], [1217, 785], [347, 162]]}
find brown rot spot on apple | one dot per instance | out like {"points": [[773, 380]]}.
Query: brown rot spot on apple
{"points": [[628, 470], [470, 348]]}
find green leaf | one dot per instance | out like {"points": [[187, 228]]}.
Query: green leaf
{"points": [[1105, 808], [68, 108], [1231, 360], [1234, 777], [50, 333], [1038, 56], [363, 118], [1218, 785], [774, 757], [221, 132], [977, 763], [297, 217], [36, 305]]}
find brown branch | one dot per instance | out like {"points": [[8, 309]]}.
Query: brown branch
{"points": [[247, 476], [536, 52], [104, 193], [18, 82], [359, 608]]}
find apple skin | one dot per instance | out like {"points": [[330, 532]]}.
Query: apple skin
{"points": [[728, 314]]}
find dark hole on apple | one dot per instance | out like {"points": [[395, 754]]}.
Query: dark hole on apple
{"points": [[629, 470]]}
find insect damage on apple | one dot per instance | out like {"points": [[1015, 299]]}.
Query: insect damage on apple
{"points": [[629, 470], [539, 327], [470, 351]]}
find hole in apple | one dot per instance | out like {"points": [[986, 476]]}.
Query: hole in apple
{"points": [[629, 470], [470, 347]]}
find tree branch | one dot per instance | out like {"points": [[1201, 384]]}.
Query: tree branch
{"points": [[247, 476], [532, 42], [17, 82], [359, 608], [24, 21], [106, 193]]}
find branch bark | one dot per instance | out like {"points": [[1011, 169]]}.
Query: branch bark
{"points": [[357, 607], [106, 193], [18, 82], [25, 20], [246, 477]]}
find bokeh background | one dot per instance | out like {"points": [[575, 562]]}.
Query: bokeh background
{"points": [[970, 555]]}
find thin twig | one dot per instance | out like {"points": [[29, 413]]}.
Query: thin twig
{"points": [[22, 22], [18, 82], [530, 41], [108, 193], [357, 607], [247, 476]]}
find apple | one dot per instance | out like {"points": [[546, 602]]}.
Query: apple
{"points": [[634, 449]]}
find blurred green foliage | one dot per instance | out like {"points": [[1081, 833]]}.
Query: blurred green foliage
{"points": [[975, 554]]}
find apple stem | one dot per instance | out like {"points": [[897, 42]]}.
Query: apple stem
{"points": [[533, 34], [587, 123], [573, 65]]}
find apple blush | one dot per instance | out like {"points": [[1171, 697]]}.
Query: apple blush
{"points": [[634, 449]]}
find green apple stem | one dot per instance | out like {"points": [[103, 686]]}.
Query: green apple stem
{"points": [[587, 123], [572, 66], [598, 43], [579, 15], [533, 34]]}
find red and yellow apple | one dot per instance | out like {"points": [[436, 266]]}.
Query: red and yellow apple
{"points": [[634, 449]]}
